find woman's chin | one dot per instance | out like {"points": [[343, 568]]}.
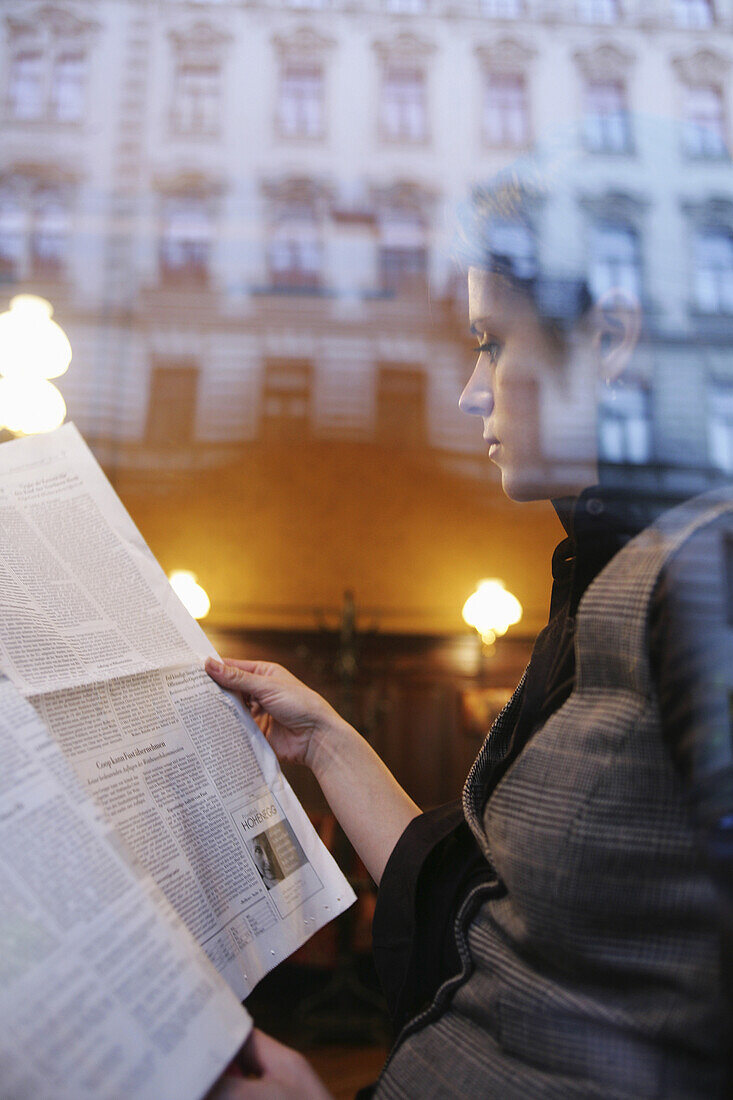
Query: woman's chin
{"points": [[524, 487]]}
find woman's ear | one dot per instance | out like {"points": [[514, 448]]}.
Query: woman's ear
{"points": [[617, 323]]}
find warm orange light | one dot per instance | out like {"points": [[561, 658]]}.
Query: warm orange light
{"points": [[193, 597], [491, 610]]}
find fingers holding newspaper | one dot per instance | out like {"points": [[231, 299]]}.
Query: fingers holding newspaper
{"points": [[294, 718], [366, 799], [274, 1072]]}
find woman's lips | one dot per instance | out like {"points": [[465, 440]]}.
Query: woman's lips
{"points": [[494, 448]]}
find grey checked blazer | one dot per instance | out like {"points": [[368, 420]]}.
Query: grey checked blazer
{"points": [[591, 963]]}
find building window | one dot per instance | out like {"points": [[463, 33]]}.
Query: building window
{"points": [[607, 128], [713, 271], [69, 87], [186, 240], [13, 234], [512, 248], [401, 406], [286, 398], [47, 78], [598, 11], [403, 253], [624, 426], [506, 111], [172, 403], [693, 14], [704, 122], [404, 106], [295, 252], [615, 260], [34, 229], [197, 98], [26, 89], [50, 233], [720, 426], [301, 105], [405, 7], [501, 9]]}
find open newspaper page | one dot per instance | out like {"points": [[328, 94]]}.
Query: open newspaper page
{"points": [[93, 635], [103, 992]]}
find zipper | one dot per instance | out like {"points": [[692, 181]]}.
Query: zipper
{"points": [[479, 765]]}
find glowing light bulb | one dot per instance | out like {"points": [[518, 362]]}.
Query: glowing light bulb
{"points": [[491, 610], [190, 593], [29, 407], [32, 346]]}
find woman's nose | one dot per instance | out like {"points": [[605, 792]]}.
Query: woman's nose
{"points": [[477, 398]]}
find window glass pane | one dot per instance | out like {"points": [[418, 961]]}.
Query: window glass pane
{"points": [[185, 245], [67, 92], [301, 101], [197, 104], [286, 398], [713, 274], [704, 122], [693, 14], [50, 234], [615, 260], [624, 425], [597, 11], [172, 404], [13, 230], [26, 92], [295, 252], [606, 121], [506, 111], [501, 9], [720, 426], [403, 104]]}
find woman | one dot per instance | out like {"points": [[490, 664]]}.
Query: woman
{"points": [[560, 932]]}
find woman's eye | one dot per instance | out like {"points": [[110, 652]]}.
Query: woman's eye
{"points": [[490, 348]]}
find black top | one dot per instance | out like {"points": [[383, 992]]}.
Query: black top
{"points": [[437, 861]]}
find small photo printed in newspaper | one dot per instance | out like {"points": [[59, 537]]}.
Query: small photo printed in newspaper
{"points": [[276, 853]]}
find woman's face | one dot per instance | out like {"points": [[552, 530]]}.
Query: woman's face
{"points": [[536, 398], [262, 860]]}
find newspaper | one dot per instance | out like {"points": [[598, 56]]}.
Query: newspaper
{"points": [[103, 992], [95, 638]]}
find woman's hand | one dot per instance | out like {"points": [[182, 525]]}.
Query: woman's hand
{"points": [[276, 1073], [294, 719], [303, 728]]}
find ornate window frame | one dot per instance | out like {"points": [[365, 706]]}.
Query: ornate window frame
{"points": [[50, 31]]}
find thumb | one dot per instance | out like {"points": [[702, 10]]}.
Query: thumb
{"points": [[236, 679]]}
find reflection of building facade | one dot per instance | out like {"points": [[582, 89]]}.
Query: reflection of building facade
{"points": [[193, 164], [241, 209]]}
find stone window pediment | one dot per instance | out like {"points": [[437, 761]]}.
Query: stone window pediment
{"points": [[299, 191], [200, 44], [304, 43], [702, 67], [187, 182], [617, 207], [507, 56], [405, 48], [405, 197], [716, 210], [49, 20], [605, 62]]}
